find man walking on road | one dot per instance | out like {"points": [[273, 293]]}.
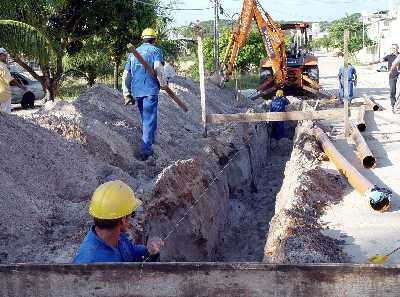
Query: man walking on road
{"points": [[139, 86], [5, 81], [393, 66], [352, 80]]}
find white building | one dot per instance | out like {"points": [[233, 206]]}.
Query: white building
{"points": [[383, 27]]}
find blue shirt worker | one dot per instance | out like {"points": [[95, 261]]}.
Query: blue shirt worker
{"points": [[139, 86], [352, 80], [278, 104], [111, 206]]}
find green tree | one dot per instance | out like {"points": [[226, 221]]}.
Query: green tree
{"points": [[89, 63], [132, 18], [46, 30], [352, 23]]}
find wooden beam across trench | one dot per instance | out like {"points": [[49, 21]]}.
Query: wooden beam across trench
{"points": [[329, 114]]}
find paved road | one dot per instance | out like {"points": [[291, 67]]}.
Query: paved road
{"points": [[363, 231]]}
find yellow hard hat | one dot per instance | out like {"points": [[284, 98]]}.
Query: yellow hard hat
{"points": [[149, 33], [279, 93], [113, 200]]}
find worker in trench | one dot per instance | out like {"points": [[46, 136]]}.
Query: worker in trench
{"points": [[352, 79], [139, 86], [112, 205], [278, 104]]}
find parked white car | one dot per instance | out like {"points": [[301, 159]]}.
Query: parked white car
{"points": [[26, 98]]}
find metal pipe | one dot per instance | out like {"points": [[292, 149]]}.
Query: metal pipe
{"points": [[379, 198], [364, 153], [372, 104], [360, 122]]}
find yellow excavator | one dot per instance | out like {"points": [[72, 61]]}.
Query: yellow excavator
{"points": [[292, 69]]}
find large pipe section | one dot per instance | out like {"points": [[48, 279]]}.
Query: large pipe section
{"points": [[372, 104], [379, 198], [360, 121], [364, 153]]}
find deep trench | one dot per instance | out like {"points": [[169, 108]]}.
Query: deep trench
{"points": [[249, 212]]}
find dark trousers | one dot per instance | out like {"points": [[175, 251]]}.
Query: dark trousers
{"points": [[392, 84]]}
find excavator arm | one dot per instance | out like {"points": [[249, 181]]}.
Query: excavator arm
{"points": [[273, 40]]}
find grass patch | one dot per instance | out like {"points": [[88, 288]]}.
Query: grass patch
{"points": [[72, 88], [245, 81]]}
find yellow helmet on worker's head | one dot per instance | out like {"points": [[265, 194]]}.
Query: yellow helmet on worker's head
{"points": [[149, 33], [113, 200], [279, 93]]}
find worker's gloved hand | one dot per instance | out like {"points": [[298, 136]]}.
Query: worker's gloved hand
{"points": [[154, 245], [355, 82], [129, 100]]}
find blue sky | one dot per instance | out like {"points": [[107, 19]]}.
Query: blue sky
{"points": [[307, 10]]}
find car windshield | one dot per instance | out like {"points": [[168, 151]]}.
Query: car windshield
{"points": [[22, 79]]}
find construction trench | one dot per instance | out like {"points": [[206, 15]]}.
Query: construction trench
{"points": [[237, 196]]}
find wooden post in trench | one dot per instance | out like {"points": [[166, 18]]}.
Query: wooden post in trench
{"points": [[202, 79], [346, 83]]}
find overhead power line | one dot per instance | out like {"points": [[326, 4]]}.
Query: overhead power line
{"points": [[171, 8]]}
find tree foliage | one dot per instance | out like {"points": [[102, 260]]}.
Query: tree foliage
{"points": [[335, 37]]}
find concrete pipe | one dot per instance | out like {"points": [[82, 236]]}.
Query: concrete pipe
{"points": [[379, 198], [364, 153], [372, 104], [360, 121]]}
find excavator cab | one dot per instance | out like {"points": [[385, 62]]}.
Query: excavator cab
{"points": [[286, 67], [300, 63]]}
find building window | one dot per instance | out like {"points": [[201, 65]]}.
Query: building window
{"points": [[386, 23]]}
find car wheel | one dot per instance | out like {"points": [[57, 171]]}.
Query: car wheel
{"points": [[28, 101]]}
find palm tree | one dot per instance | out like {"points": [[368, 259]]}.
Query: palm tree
{"points": [[45, 30]]}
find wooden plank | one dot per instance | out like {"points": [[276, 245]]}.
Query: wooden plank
{"points": [[202, 82], [330, 114], [346, 83], [310, 90]]}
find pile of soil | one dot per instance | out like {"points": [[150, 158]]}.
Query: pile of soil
{"points": [[54, 159]]}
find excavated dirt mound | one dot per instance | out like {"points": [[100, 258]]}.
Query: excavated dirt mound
{"points": [[54, 159]]}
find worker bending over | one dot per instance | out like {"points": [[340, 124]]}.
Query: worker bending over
{"points": [[278, 104], [138, 85], [352, 80], [112, 205]]}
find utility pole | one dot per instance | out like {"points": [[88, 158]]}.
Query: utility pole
{"points": [[216, 35]]}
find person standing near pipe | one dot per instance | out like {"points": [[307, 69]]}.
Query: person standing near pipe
{"points": [[139, 86], [352, 80], [393, 73]]}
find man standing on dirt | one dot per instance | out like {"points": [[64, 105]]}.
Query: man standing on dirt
{"points": [[139, 86], [111, 207], [5, 81]]}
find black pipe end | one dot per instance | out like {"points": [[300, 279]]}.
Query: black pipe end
{"points": [[369, 162], [362, 127], [382, 205], [376, 108]]}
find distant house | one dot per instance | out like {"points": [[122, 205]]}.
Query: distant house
{"points": [[383, 28]]}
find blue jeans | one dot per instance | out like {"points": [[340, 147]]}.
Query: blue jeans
{"points": [[148, 114], [350, 90]]}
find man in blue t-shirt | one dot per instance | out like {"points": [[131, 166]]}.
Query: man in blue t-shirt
{"points": [[139, 86], [111, 206], [352, 80], [278, 104]]}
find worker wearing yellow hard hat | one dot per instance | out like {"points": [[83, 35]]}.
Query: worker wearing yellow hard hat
{"points": [[278, 104], [139, 86], [111, 206]]}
